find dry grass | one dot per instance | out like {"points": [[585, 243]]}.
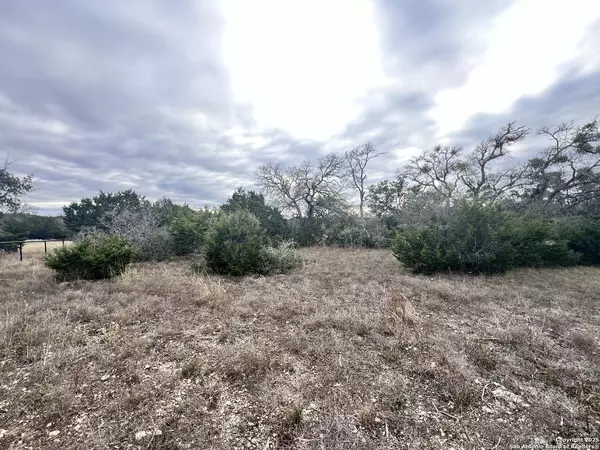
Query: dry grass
{"points": [[347, 352]]}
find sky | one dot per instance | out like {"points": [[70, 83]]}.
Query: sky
{"points": [[187, 99]]}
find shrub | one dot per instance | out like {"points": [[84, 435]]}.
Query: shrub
{"points": [[236, 245], [189, 230], [270, 218], [95, 257], [583, 237], [359, 232], [480, 239], [145, 229], [307, 231], [281, 259], [537, 243], [197, 262]]}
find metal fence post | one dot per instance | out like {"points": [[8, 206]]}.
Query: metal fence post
{"points": [[20, 251], [63, 242], [45, 248]]}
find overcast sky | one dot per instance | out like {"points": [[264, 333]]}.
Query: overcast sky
{"points": [[185, 99]]}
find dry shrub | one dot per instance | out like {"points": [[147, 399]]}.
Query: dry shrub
{"points": [[401, 310], [585, 342], [452, 377], [248, 363], [191, 369], [367, 418], [525, 339], [482, 356], [282, 259], [24, 337]]}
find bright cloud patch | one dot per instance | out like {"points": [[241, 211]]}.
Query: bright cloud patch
{"points": [[303, 64], [526, 48]]}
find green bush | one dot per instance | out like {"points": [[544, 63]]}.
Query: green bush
{"points": [[307, 231], [537, 243], [93, 258], [236, 245], [189, 230], [583, 237], [481, 239]]}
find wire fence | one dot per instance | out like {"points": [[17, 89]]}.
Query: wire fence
{"points": [[21, 244]]}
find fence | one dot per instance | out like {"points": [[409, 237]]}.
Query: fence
{"points": [[22, 243]]}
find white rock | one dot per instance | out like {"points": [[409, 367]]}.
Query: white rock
{"points": [[140, 435], [54, 433]]}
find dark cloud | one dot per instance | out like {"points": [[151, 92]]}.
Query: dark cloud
{"points": [[571, 99], [134, 94], [434, 43]]}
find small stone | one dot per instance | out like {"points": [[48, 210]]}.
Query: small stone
{"points": [[54, 433], [104, 377], [140, 435], [147, 367]]}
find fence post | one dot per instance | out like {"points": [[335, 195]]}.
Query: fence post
{"points": [[63, 242], [45, 248], [20, 251]]}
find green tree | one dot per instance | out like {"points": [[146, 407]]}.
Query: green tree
{"points": [[92, 212], [32, 226], [12, 189], [270, 218]]}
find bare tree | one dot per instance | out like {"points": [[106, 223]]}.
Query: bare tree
{"points": [[144, 227], [567, 173], [438, 170], [306, 189], [357, 160], [282, 185], [444, 172], [478, 173]]}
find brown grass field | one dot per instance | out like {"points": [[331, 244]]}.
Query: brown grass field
{"points": [[349, 352]]}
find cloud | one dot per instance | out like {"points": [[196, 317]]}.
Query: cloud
{"points": [[181, 100], [519, 59]]}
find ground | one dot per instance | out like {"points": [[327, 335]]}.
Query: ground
{"points": [[350, 351]]}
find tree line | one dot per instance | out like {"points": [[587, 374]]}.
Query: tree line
{"points": [[556, 187]]}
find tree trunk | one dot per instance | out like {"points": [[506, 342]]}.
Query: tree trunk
{"points": [[362, 201]]}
